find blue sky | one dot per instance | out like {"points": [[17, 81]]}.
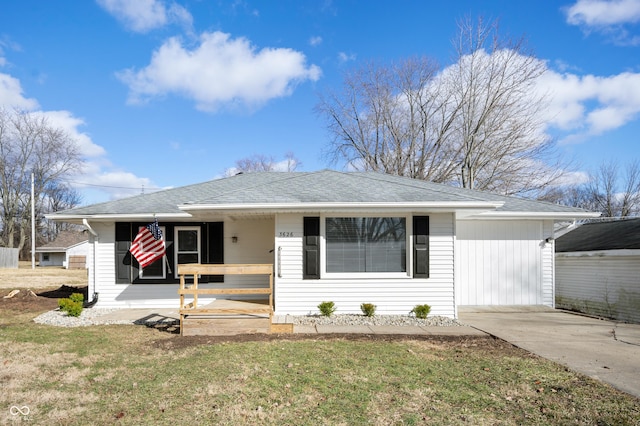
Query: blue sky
{"points": [[162, 94]]}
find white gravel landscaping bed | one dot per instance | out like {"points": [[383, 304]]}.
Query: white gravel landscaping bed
{"points": [[387, 320], [96, 316], [90, 316]]}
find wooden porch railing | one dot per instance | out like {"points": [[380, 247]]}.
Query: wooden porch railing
{"points": [[249, 308]]}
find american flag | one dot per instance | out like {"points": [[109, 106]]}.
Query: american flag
{"points": [[148, 246]]}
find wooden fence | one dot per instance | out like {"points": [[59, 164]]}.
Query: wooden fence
{"points": [[8, 257]]}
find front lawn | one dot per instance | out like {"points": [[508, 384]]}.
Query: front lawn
{"points": [[138, 375]]}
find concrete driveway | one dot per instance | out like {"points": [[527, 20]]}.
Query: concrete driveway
{"points": [[602, 349]]}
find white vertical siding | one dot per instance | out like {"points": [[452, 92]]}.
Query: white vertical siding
{"points": [[391, 295], [599, 284], [504, 263]]}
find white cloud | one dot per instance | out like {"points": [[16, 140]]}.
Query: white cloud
{"points": [[95, 181], [596, 13], [344, 57], [315, 41], [146, 15], [66, 121], [11, 94], [589, 104], [606, 16], [219, 71], [97, 172], [573, 178]]}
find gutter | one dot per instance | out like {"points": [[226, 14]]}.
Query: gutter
{"points": [[535, 215], [85, 222], [94, 296]]}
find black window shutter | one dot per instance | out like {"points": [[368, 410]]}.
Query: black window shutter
{"points": [[311, 248], [124, 259], [215, 248], [421, 246]]}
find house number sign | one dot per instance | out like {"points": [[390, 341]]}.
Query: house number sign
{"points": [[286, 234]]}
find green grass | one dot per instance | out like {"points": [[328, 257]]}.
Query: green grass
{"points": [[138, 375]]}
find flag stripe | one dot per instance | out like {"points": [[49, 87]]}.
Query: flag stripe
{"points": [[148, 246]]}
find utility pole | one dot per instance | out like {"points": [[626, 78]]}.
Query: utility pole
{"points": [[33, 223]]}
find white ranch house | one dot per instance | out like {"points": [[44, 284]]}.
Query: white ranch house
{"points": [[350, 238]]}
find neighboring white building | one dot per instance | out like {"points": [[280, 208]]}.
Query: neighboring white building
{"points": [[67, 246], [598, 269], [350, 238]]}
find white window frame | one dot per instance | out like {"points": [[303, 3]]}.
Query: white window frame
{"points": [[164, 262], [370, 275], [176, 232]]}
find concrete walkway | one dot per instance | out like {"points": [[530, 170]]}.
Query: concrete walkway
{"points": [[604, 350]]}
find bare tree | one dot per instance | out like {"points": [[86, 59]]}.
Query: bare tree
{"points": [[503, 147], [58, 196], [611, 190], [606, 195], [474, 124], [391, 119], [29, 144], [262, 163]]}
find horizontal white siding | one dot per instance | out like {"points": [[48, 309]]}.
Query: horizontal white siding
{"points": [[603, 285], [391, 295], [548, 265], [55, 259], [504, 263]]}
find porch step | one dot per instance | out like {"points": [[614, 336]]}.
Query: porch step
{"points": [[225, 326]]}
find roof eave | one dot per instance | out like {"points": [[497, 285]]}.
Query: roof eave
{"points": [[339, 206], [534, 215], [123, 217]]}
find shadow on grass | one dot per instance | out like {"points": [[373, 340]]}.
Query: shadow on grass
{"points": [[160, 323], [64, 291]]}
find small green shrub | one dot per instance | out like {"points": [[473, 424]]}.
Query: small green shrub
{"points": [[327, 308], [72, 305], [421, 311], [77, 297], [368, 309]]}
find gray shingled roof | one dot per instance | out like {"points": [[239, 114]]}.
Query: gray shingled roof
{"points": [[63, 241], [597, 236], [325, 186]]}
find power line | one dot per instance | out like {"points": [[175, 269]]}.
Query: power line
{"points": [[136, 188]]}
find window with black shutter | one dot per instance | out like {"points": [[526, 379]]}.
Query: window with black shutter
{"points": [[124, 261], [311, 248], [209, 249], [421, 246]]}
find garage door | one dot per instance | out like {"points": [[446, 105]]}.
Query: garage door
{"points": [[500, 263]]}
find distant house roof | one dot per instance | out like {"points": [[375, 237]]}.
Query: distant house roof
{"points": [[326, 189], [64, 241], [597, 236]]}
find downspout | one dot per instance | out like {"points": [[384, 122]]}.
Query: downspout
{"points": [[91, 293]]}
